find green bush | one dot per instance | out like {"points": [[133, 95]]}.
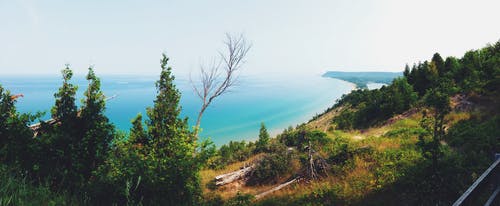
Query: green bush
{"points": [[301, 136], [271, 168], [232, 152]]}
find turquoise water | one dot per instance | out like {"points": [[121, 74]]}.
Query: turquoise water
{"points": [[237, 115]]}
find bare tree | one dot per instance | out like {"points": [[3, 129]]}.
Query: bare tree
{"points": [[218, 77]]}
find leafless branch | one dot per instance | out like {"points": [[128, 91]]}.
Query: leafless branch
{"points": [[218, 77]]}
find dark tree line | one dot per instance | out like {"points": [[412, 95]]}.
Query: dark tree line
{"points": [[477, 72], [369, 107], [81, 153]]}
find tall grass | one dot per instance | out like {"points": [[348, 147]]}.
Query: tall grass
{"points": [[19, 191]]}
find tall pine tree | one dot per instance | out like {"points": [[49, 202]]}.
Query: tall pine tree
{"points": [[172, 147], [60, 141], [97, 131]]}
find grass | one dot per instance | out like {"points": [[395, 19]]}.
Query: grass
{"points": [[364, 174], [226, 192], [394, 153], [19, 191]]}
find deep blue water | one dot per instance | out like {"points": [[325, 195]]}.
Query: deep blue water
{"points": [[237, 115]]}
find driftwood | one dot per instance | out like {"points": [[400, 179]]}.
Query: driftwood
{"points": [[233, 176], [279, 187]]}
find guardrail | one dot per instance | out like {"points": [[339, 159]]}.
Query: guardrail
{"points": [[487, 183]]}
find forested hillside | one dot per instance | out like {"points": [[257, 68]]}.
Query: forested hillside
{"points": [[421, 140]]}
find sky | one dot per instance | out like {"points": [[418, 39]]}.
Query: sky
{"points": [[288, 37]]}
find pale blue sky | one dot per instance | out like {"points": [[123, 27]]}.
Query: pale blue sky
{"points": [[127, 37]]}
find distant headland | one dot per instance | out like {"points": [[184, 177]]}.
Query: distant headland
{"points": [[361, 79]]}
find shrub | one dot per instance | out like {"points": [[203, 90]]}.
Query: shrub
{"points": [[271, 168]]}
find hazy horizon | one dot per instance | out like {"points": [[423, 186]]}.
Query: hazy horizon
{"points": [[288, 37]]}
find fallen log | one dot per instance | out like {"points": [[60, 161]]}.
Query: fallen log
{"points": [[233, 176], [279, 187]]}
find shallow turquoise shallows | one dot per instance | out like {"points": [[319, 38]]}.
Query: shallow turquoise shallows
{"points": [[278, 102]]}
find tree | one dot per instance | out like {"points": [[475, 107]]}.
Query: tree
{"points": [[97, 131], [406, 72], [438, 99], [451, 66], [164, 124], [401, 95], [164, 170], [439, 62], [65, 107], [16, 139], [175, 168], [60, 142], [472, 64], [263, 141], [137, 133], [211, 84]]}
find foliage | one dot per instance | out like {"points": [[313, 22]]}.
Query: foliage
{"points": [[16, 142], [79, 157], [340, 151], [159, 165], [137, 134], [471, 73], [96, 129], [16, 190], [234, 151], [240, 200], [477, 139], [372, 106], [261, 144], [271, 167], [300, 137]]}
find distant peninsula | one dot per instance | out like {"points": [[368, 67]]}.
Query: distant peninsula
{"points": [[361, 79]]}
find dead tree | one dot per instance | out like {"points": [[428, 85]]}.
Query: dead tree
{"points": [[311, 169], [216, 79], [315, 166]]}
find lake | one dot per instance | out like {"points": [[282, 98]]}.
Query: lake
{"points": [[278, 102]]}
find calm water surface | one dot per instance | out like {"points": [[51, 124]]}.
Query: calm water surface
{"points": [[237, 115]]}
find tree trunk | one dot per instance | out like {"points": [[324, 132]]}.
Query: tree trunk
{"points": [[233, 176]]}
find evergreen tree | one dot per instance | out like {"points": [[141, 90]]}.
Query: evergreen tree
{"points": [[65, 107], [60, 141], [262, 143], [406, 72], [439, 63], [401, 96], [172, 149], [452, 66], [16, 138], [97, 131], [413, 75], [472, 66], [163, 171], [137, 133]]}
